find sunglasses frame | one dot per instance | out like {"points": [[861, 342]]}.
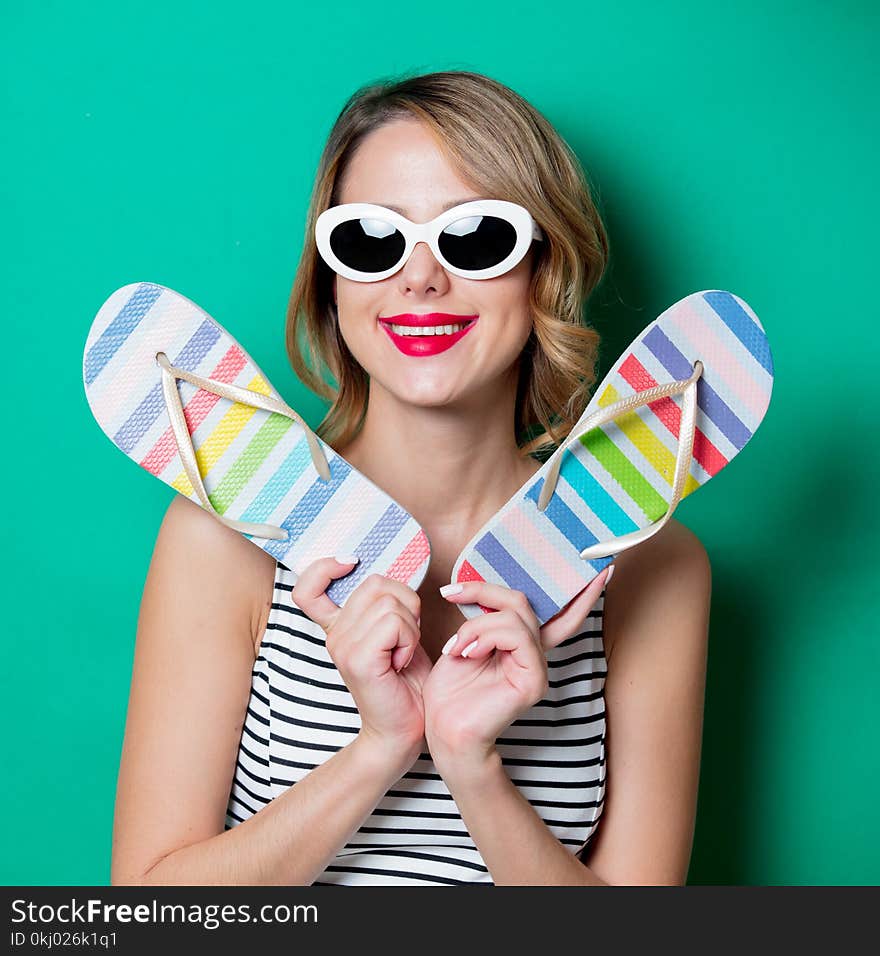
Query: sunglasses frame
{"points": [[414, 232]]}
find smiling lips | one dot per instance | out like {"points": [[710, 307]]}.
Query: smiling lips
{"points": [[426, 334]]}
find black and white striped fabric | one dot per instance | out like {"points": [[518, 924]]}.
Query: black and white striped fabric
{"points": [[300, 713]]}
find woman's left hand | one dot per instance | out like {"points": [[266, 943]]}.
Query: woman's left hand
{"points": [[495, 670]]}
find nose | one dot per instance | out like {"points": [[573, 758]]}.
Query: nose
{"points": [[422, 272]]}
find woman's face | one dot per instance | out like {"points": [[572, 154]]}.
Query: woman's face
{"points": [[399, 165]]}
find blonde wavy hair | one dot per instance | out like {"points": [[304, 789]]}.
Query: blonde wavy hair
{"points": [[503, 147]]}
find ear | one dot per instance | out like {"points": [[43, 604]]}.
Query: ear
{"points": [[564, 623]]}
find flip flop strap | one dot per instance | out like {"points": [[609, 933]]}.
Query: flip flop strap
{"points": [[244, 396], [602, 416]]}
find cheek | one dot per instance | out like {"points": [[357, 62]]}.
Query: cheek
{"points": [[357, 304], [510, 316], [521, 311], [511, 295], [357, 310]]}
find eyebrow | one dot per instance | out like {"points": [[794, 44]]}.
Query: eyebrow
{"points": [[449, 205]]}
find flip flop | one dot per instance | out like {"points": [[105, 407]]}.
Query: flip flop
{"points": [[181, 398], [633, 455]]}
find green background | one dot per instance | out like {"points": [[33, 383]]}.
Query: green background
{"points": [[731, 148]]}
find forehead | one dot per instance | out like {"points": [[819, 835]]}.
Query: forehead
{"points": [[401, 164]]}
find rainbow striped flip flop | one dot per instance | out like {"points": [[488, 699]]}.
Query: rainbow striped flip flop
{"points": [[175, 392], [634, 453]]}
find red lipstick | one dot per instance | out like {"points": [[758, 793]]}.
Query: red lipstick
{"points": [[433, 343]]}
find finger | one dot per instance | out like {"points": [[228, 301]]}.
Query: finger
{"points": [[370, 612], [492, 597], [392, 640], [475, 626], [566, 621], [418, 664], [308, 592], [523, 649], [375, 584], [408, 638]]}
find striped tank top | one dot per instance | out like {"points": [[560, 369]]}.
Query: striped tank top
{"points": [[300, 713]]}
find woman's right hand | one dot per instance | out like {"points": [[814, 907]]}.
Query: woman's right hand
{"points": [[375, 642]]}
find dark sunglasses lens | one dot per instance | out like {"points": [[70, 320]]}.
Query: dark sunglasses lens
{"points": [[477, 242], [368, 245]]}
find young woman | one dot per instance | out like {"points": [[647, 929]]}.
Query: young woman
{"points": [[273, 737]]}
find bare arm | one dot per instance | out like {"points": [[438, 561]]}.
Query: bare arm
{"points": [[203, 611], [656, 630]]}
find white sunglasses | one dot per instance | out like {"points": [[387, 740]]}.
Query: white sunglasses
{"points": [[480, 239]]}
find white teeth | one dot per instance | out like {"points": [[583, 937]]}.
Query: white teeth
{"points": [[427, 329]]}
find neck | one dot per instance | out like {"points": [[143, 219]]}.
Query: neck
{"points": [[451, 467]]}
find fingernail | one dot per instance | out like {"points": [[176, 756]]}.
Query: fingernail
{"points": [[469, 648], [608, 576], [347, 558], [447, 647], [448, 589]]}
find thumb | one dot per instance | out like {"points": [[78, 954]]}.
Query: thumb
{"points": [[566, 621], [308, 592]]}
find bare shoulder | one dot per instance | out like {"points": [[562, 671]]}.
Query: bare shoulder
{"points": [[225, 567], [667, 574]]}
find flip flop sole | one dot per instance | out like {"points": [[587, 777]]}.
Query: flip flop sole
{"points": [[255, 465], [618, 477]]}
